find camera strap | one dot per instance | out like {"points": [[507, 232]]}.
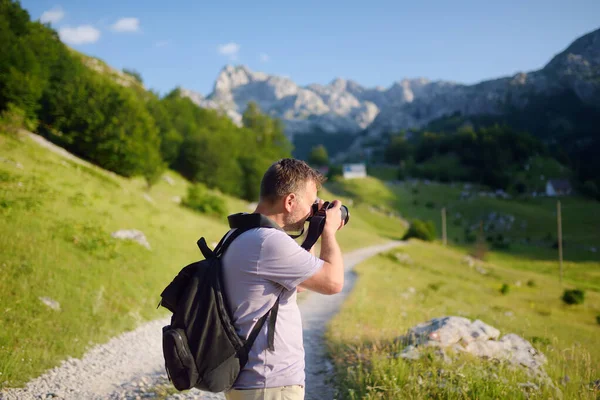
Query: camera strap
{"points": [[315, 228]]}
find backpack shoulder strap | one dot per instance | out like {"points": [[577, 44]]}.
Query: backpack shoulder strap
{"points": [[272, 316], [254, 220]]}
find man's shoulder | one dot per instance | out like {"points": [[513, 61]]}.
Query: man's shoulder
{"points": [[264, 237]]}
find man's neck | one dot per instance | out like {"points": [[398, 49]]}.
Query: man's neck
{"points": [[269, 213]]}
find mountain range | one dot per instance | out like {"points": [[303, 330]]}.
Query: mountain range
{"points": [[344, 106]]}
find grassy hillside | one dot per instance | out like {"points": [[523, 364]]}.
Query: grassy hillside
{"points": [[531, 237], [421, 281], [57, 216], [394, 293]]}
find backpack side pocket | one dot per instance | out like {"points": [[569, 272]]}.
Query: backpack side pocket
{"points": [[179, 363]]}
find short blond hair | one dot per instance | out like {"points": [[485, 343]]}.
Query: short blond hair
{"points": [[286, 176]]}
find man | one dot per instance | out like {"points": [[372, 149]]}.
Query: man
{"points": [[264, 264]]}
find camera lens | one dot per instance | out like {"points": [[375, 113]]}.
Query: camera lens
{"points": [[345, 214]]}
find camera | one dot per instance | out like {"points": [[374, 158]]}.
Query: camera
{"points": [[317, 222], [321, 212]]}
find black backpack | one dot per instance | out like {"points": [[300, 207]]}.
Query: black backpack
{"points": [[201, 346]]}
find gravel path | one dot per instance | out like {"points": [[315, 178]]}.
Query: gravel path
{"points": [[131, 365]]}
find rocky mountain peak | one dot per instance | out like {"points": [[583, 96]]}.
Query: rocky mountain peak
{"points": [[583, 51], [232, 77], [338, 84], [345, 106]]}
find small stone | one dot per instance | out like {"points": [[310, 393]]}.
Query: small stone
{"points": [[53, 304], [169, 180], [132, 234], [148, 198]]}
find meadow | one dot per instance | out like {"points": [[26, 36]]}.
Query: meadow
{"points": [[421, 281], [57, 216]]}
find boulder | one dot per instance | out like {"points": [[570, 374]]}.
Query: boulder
{"points": [[477, 338]]}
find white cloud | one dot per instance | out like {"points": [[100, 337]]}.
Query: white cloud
{"points": [[264, 57], [230, 49], [126, 25], [52, 16], [162, 43], [79, 35]]}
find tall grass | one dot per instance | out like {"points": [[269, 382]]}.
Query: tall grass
{"points": [[383, 307]]}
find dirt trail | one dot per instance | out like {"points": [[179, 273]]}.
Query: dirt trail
{"points": [[130, 365]]}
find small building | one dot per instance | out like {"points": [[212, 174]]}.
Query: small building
{"points": [[354, 171], [558, 187]]}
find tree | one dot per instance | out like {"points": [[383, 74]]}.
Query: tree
{"points": [[397, 150], [170, 137], [134, 74], [318, 156]]}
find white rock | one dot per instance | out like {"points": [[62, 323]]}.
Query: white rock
{"points": [[53, 304], [132, 234], [169, 180], [148, 198], [477, 338]]}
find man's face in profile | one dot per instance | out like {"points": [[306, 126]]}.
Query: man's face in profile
{"points": [[301, 208]]}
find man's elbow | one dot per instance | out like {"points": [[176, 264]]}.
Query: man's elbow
{"points": [[335, 287]]}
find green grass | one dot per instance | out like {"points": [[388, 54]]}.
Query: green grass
{"points": [[56, 220], [531, 237], [378, 311], [535, 218]]}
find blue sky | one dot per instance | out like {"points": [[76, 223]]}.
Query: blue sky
{"points": [[186, 43]]}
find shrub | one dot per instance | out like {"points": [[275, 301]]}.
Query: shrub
{"points": [[598, 318], [500, 242], [201, 200], [14, 118], [470, 235], [531, 283], [540, 340], [430, 204], [573, 296], [590, 189], [334, 171], [505, 288], [421, 230]]}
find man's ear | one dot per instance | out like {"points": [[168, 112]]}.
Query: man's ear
{"points": [[289, 201]]}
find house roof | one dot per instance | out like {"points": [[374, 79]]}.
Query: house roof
{"points": [[560, 184]]}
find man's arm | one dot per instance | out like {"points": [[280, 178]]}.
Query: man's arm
{"points": [[330, 278], [300, 288]]}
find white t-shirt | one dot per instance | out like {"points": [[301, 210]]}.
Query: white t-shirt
{"points": [[258, 266]]}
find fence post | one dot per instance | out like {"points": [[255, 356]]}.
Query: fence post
{"points": [[444, 234], [560, 249]]}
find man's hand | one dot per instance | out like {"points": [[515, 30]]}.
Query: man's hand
{"points": [[333, 219]]}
